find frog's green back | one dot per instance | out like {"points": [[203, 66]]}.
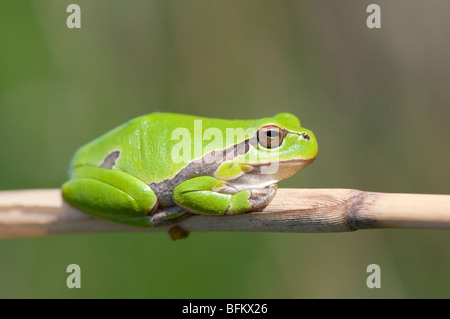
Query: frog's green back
{"points": [[145, 144]]}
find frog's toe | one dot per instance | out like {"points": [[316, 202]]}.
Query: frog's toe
{"points": [[261, 197]]}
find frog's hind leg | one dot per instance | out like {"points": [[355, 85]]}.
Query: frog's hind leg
{"points": [[110, 194]]}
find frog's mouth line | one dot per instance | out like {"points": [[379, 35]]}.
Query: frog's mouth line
{"points": [[296, 162]]}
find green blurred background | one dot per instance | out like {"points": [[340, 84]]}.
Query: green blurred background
{"points": [[377, 100]]}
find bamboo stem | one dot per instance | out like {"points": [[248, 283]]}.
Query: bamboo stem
{"points": [[27, 213]]}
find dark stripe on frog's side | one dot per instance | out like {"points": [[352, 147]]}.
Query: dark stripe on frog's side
{"points": [[110, 160], [204, 166]]}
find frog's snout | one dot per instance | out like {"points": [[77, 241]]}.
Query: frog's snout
{"points": [[309, 142]]}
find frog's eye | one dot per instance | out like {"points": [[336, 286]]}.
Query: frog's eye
{"points": [[270, 136]]}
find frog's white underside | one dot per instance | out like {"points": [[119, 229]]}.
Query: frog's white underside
{"points": [[263, 175]]}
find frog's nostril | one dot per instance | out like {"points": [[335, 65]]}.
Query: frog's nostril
{"points": [[305, 136]]}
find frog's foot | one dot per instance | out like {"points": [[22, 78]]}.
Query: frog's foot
{"points": [[169, 216], [208, 195], [110, 194], [261, 197]]}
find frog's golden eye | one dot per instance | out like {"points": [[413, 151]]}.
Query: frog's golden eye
{"points": [[270, 136]]}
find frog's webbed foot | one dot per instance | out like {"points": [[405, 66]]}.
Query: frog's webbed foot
{"points": [[261, 197], [169, 216]]}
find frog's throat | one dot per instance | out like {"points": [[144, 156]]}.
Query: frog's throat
{"points": [[265, 174], [290, 167]]}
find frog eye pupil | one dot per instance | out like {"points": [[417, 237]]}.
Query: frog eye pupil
{"points": [[270, 136], [272, 133]]}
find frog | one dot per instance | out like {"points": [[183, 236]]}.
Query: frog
{"points": [[158, 168]]}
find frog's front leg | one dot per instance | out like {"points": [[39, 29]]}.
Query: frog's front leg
{"points": [[110, 194], [208, 195]]}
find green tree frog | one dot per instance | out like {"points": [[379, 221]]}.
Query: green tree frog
{"points": [[156, 168]]}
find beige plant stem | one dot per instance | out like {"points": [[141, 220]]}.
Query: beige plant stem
{"points": [[27, 213]]}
